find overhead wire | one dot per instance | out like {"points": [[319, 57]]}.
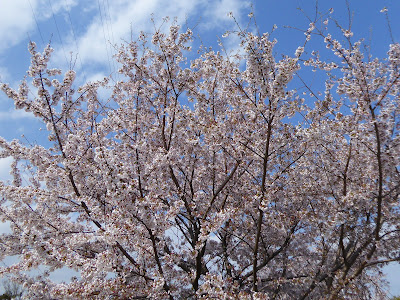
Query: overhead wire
{"points": [[107, 28], [110, 21], [110, 34], [104, 35], [36, 21], [58, 31], [75, 40]]}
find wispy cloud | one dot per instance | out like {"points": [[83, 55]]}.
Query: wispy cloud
{"points": [[101, 25], [19, 18], [110, 24], [14, 114], [5, 227], [15, 19], [217, 13], [5, 168], [124, 19], [4, 74]]}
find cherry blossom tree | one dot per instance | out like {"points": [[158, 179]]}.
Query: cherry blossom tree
{"points": [[211, 177]]}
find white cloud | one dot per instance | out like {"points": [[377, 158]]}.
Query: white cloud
{"points": [[217, 13], [14, 114], [17, 18], [46, 8], [96, 77], [4, 73], [392, 272], [5, 168], [114, 24], [123, 18], [104, 23], [5, 227]]}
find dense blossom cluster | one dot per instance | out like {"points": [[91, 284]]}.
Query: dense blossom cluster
{"points": [[148, 196]]}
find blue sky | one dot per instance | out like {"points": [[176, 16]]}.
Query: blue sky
{"points": [[83, 32]]}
